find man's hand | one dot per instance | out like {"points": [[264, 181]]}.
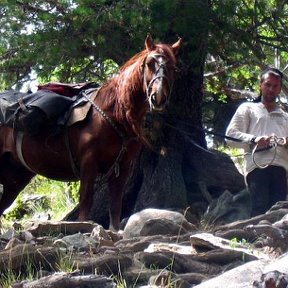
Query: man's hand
{"points": [[263, 141]]}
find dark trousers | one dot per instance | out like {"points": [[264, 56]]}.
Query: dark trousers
{"points": [[266, 187]]}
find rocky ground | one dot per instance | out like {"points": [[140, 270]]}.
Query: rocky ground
{"points": [[157, 248]]}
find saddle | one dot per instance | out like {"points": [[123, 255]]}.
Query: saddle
{"points": [[48, 108]]}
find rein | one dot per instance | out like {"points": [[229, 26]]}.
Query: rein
{"points": [[275, 141], [201, 130]]}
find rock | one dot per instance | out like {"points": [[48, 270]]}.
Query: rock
{"points": [[272, 279], [206, 241], [40, 228], [275, 274], [181, 249], [143, 276], [228, 208], [182, 256], [78, 242], [280, 264], [12, 243], [162, 227], [107, 264], [137, 222], [101, 236], [178, 263], [18, 257], [9, 234], [240, 277], [271, 215], [66, 280]]}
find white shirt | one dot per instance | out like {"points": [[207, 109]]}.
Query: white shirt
{"points": [[253, 119]]}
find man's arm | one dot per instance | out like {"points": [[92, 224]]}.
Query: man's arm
{"points": [[238, 128]]}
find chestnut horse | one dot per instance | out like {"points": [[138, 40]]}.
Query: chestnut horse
{"points": [[104, 143]]}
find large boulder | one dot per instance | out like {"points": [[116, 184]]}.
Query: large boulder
{"points": [[167, 222]]}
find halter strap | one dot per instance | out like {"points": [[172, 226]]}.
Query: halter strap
{"points": [[159, 74]]}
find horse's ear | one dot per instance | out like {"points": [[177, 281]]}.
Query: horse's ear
{"points": [[149, 43], [176, 46]]}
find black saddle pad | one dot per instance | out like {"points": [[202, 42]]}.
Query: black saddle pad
{"points": [[28, 112], [50, 106]]}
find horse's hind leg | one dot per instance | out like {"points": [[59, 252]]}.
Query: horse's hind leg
{"points": [[14, 177]]}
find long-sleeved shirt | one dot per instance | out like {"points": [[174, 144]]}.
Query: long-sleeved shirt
{"points": [[253, 119]]}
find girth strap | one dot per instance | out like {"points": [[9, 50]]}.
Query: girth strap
{"points": [[75, 169], [19, 140]]}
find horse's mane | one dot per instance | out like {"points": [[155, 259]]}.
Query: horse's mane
{"points": [[120, 89], [126, 87]]}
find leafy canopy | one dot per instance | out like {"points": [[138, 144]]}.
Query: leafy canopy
{"points": [[74, 40]]}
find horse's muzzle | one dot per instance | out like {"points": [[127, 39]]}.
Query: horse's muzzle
{"points": [[158, 103]]}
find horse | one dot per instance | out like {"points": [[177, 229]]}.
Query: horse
{"points": [[104, 143]]}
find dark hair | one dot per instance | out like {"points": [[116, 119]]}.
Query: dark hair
{"points": [[273, 71]]}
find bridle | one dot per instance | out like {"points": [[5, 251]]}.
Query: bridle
{"points": [[160, 74]]}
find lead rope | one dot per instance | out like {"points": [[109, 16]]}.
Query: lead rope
{"points": [[275, 141]]}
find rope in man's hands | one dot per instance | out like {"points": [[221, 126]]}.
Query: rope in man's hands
{"points": [[274, 141]]}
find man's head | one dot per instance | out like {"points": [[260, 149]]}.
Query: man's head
{"points": [[270, 84], [271, 71]]}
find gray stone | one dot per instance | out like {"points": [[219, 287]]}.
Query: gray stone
{"points": [[240, 277], [280, 264], [138, 220], [78, 242]]}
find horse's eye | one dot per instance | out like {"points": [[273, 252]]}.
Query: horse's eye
{"points": [[150, 63], [176, 70]]}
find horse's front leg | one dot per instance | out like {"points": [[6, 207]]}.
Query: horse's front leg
{"points": [[86, 196], [116, 187]]}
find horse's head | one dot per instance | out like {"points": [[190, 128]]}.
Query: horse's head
{"points": [[159, 72]]}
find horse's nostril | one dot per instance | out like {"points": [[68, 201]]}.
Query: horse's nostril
{"points": [[154, 99]]}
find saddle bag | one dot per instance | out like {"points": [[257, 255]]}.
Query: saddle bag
{"points": [[32, 112], [48, 108], [30, 120]]}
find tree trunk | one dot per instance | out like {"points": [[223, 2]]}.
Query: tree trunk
{"points": [[185, 174], [181, 172]]}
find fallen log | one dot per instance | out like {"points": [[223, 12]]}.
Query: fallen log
{"points": [[65, 280], [20, 256]]}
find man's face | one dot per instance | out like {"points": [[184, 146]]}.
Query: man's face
{"points": [[270, 87]]}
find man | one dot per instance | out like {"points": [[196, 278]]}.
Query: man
{"points": [[254, 123]]}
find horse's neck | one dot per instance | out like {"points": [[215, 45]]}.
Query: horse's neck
{"points": [[126, 104]]}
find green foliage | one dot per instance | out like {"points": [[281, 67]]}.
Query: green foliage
{"points": [[71, 40], [66, 39], [243, 243], [249, 35], [59, 199]]}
